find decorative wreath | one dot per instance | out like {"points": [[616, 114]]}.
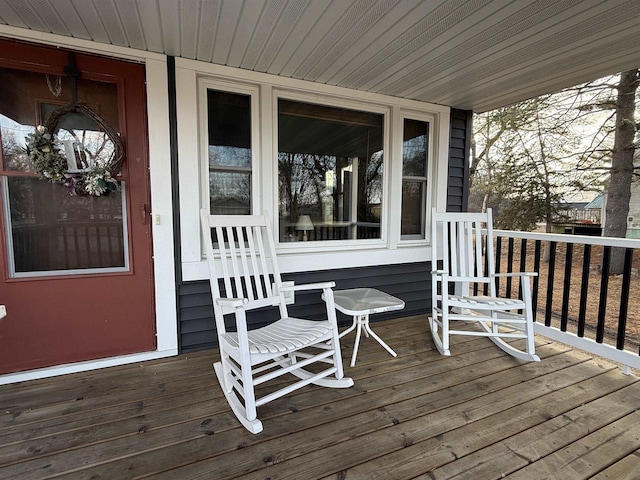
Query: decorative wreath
{"points": [[49, 160]]}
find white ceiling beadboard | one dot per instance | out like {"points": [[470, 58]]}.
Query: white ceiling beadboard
{"points": [[470, 54]]}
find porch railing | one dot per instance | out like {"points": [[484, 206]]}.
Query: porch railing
{"points": [[576, 301], [335, 231]]}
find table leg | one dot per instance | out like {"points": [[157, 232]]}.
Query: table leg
{"points": [[367, 329], [357, 322], [350, 329]]}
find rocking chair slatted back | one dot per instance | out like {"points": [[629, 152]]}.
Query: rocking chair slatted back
{"points": [[245, 259], [469, 252], [241, 259]]}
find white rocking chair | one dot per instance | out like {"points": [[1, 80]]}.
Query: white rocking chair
{"points": [[243, 248], [459, 240]]}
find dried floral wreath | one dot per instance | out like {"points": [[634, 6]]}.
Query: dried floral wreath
{"points": [[49, 159]]}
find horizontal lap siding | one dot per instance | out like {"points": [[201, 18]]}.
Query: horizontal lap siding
{"points": [[458, 172], [196, 324], [409, 282]]}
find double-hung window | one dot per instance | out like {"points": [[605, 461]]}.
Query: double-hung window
{"points": [[415, 160], [229, 152]]}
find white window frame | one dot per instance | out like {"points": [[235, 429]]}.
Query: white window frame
{"points": [[430, 189], [265, 88], [204, 84], [348, 104]]}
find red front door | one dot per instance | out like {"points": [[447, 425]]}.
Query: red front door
{"points": [[76, 271]]}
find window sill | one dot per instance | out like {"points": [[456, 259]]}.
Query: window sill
{"points": [[317, 259], [319, 246], [417, 242]]}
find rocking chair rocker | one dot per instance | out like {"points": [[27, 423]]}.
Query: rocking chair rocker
{"points": [[457, 239], [242, 262]]}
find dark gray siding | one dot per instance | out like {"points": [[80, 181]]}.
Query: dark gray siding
{"points": [[410, 282], [459, 148]]}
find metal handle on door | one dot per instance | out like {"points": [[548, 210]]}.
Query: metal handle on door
{"points": [[144, 213]]}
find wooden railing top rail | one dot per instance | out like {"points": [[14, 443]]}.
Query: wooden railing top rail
{"points": [[584, 239]]}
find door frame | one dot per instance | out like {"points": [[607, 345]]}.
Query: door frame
{"points": [[160, 181]]}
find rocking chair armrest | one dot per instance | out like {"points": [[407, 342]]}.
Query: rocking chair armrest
{"points": [[231, 302], [309, 286], [459, 278], [516, 274]]}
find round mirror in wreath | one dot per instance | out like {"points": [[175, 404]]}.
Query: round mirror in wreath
{"points": [[78, 149]]}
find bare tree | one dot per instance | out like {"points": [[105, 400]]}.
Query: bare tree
{"points": [[523, 160], [622, 169], [526, 156]]}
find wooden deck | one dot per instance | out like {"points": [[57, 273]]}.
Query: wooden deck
{"points": [[478, 414]]}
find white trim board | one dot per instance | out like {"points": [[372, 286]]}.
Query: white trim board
{"points": [[83, 366], [114, 51], [625, 358], [302, 262]]}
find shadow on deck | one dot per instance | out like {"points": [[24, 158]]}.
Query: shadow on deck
{"points": [[478, 414]]}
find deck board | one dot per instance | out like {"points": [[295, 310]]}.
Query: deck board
{"points": [[625, 469], [594, 451], [537, 429], [477, 414]]}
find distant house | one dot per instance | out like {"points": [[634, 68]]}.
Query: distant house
{"points": [[579, 218], [633, 217]]}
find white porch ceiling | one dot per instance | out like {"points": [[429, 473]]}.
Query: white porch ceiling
{"points": [[470, 54]]}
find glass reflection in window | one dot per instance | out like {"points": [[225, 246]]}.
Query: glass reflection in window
{"points": [[229, 148], [47, 231], [52, 231], [14, 155], [330, 167], [415, 149]]}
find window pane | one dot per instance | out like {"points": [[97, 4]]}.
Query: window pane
{"points": [[224, 156], [230, 193], [414, 148], [330, 165], [229, 146], [412, 208], [53, 231], [48, 231]]}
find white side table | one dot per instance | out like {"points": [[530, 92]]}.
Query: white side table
{"points": [[360, 303]]}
